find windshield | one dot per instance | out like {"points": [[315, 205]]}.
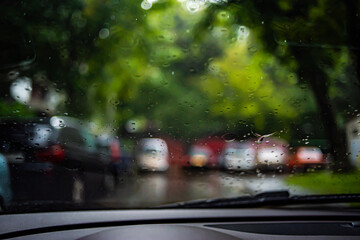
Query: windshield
{"points": [[136, 104]]}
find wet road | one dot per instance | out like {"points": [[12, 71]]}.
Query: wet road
{"points": [[152, 189]]}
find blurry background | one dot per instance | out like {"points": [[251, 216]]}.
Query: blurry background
{"points": [[188, 70]]}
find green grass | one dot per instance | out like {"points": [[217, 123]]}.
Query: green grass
{"points": [[326, 182]]}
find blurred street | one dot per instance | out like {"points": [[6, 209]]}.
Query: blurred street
{"points": [[152, 189]]}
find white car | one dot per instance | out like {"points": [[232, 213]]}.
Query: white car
{"points": [[272, 154], [152, 154], [239, 156]]}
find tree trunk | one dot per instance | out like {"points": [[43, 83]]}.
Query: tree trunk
{"points": [[353, 34], [336, 136], [318, 81]]}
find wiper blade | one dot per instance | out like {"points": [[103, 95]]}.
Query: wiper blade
{"points": [[274, 198]]}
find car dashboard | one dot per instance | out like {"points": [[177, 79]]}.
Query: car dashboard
{"points": [[184, 224]]}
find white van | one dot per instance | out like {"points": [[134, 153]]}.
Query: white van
{"points": [[239, 156], [353, 141], [152, 154]]}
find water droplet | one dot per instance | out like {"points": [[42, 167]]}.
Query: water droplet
{"points": [[193, 6], [104, 33], [252, 49], [146, 5]]}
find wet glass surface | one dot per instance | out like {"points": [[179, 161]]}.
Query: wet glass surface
{"points": [[132, 104]]}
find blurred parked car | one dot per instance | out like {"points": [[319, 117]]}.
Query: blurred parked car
{"points": [[307, 157], [152, 155], [52, 159], [272, 154], [176, 150], [204, 153], [110, 149], [5, 186], [239, 156], [199, 156], [353, 141]]}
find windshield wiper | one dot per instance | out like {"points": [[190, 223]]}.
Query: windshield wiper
{"points": [[274, 198]]}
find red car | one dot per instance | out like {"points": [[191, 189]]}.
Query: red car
{"points": [[204, 153], [307, 157]]}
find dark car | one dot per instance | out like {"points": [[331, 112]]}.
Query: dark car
{"points": [[5, 187], [52, 159], [111, 150]]}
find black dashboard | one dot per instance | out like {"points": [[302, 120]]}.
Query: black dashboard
{"points": [[184, 224]]}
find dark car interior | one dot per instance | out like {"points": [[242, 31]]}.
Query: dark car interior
{"points": [[185, 224]]}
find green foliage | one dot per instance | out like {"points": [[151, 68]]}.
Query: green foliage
{"points": [[327, 183], [192, 72], [14, 109]]}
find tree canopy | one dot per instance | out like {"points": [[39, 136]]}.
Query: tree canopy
{"points": [[191, 68]]}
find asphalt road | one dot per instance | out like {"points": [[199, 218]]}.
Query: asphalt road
{"points": [[153, 189]]}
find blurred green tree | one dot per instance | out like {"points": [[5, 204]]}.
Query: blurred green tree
{"points": [[308, 36], [195, 68]]}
